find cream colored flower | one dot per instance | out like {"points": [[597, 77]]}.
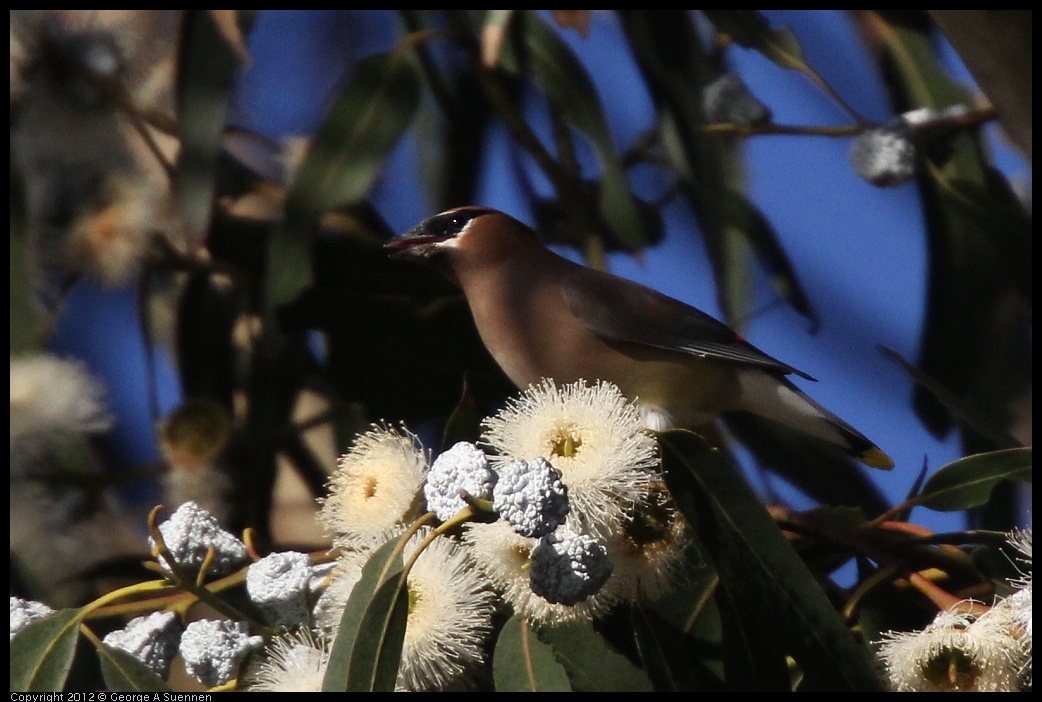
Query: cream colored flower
{"points": [[450, 612], [110, 242], [49, 393], [450, 616], [96, 188], [375, 486], [292, 663], [955, 653], [648, 549], [592, 435], [1021, 540]]}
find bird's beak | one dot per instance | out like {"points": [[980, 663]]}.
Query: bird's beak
{"points": [[414, 243]]}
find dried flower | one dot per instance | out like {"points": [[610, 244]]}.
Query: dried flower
{"points": [[25, 612], [462, 467], [152, 639], [190, 532], [531, 497], [213, 650]]}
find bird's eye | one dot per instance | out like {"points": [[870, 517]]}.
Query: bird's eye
{"points": [[452, 224]]}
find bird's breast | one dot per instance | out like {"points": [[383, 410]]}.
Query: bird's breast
{"points": [[527, 329]]}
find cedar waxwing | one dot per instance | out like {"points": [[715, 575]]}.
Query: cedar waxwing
{"points": [[543, 316]]}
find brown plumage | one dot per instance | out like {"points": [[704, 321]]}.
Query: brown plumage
{"points": [[543, 316]]}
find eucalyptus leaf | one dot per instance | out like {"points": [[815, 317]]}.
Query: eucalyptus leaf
{"points": [[968, 482], [958, 407], [750, 29], [209, 62], [361, 130], [689, 603], [669, 52], [764, 577], [464, 424], [996, 210], [373, 601], [560, 75], [523, 663], [125, 673], [42, 653], [377, 651], [669, 658], [764, 242], [593, 665], [752, 663]]}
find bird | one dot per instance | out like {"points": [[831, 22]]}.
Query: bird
{"points": [[544, 316]]}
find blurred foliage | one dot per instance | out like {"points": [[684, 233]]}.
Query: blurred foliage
{"points": [[270, 247]]}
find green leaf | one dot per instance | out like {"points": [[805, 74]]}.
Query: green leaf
{"points": [[363, 126], [669, 657], [367, 649], [377, 652], [997, 211], [750, 29], [958, 407], [346, 156], [765, 580], [689, 604], [42, 653], [764, 241], [592, 664], [560, 75], [523, 663], [751, 661], [464, 424], [207, 71], [968, 482], [125, 673]]}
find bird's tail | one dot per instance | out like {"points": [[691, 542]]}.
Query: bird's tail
{"points": [[775, 397]]}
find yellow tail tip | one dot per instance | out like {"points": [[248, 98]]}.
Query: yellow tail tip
{"points": [[875, 458]]}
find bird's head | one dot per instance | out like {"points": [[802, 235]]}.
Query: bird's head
{"points": [[441, 232], [470, 235]]}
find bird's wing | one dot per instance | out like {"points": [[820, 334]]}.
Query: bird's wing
{"points": [[618, 309]]}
